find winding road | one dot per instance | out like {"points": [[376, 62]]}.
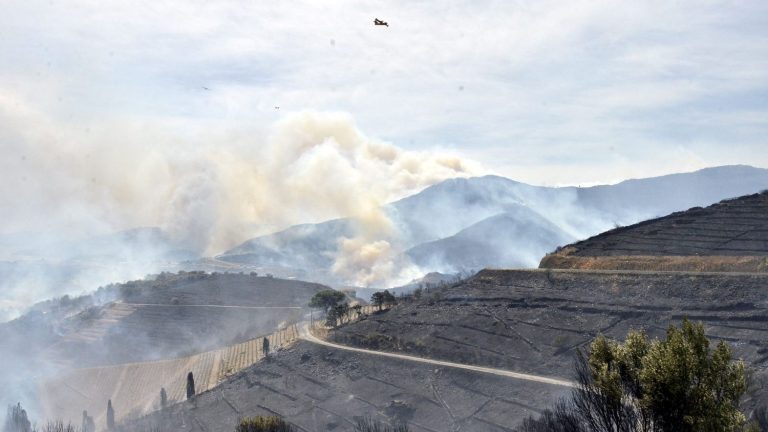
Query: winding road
{"points": [[308, 336]]}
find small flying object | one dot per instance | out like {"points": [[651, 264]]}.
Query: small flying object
{"points": [[277, 107], [377, 21], [206, 88]]}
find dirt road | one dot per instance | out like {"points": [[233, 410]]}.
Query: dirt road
{"points": [[308, 336]]}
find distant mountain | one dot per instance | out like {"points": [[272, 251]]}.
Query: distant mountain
{"points": [[488, 243], [306, 246], [445, 210]]}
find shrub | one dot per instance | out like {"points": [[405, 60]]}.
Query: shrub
{"points": [[676, 384], [369, 425], [264, 424], [57, 426]]}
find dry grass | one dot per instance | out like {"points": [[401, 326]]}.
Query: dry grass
{"points": [[658, 263]]}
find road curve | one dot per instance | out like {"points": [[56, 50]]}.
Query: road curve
{"points": [[308, 336]]}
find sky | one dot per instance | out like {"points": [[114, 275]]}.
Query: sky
{"points": [[545, 92]]}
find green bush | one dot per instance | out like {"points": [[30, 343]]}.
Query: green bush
{"points": [[677, 384], [264, 424]]}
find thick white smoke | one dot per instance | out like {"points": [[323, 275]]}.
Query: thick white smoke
{"points": [[208, 191]]}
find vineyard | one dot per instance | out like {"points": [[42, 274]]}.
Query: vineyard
{"points": [[134, 388]]}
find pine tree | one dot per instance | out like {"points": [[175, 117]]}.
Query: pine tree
{"points": [[265, 346], [163, 398], [190, 386]]}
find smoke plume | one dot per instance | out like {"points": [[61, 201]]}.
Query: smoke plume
{"points": [[208, 190]]}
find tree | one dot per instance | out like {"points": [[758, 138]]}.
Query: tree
{"points": [[88, 424], [190, 386], [342, 311], [358, 310], [382, 298], [163, 398], [264, 424], [326, 299], [389, 299], [16, 420], [110, 415], [377, 299], [676, 384], [265, 346], [332, 317]]}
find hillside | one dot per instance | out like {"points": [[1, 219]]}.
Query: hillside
{"points": [[528, 321], [534, 320], [578, 212], [486, 243], [323, 389], [134, 388], [171, 316], [731, 235], [37, 266]]}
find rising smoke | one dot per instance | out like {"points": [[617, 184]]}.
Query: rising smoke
{"points": [[64, 181]]}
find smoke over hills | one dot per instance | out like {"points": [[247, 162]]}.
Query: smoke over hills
{"points": [[209, 191], [206, 191], [467, 224]]}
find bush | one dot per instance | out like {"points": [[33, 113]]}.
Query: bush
{"points": [[57, 426], [677, 384], [369, 425], [264, 424]]}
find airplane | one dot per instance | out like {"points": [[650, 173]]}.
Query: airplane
{"points": [[377, 21]]}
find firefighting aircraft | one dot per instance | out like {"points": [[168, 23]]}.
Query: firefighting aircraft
{"points": [[377, 21]]}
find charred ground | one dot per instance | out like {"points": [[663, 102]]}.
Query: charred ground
{"points": [[731, 235]]}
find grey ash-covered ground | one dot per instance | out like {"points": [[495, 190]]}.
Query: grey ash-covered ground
{"points": [[325, 389], [528, 321], [535, 320], [735, 227]]}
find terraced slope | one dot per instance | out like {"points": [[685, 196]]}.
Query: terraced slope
{"points": [[175, 316], [325, 389], [134, 388], [731, 235], [534, 320]]}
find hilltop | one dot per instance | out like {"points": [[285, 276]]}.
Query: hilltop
{"points": [[731, 235]]}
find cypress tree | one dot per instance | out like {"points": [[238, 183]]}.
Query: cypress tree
{"points": [[163, 398], [265, 346], [110, 415], [190, 386]]}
